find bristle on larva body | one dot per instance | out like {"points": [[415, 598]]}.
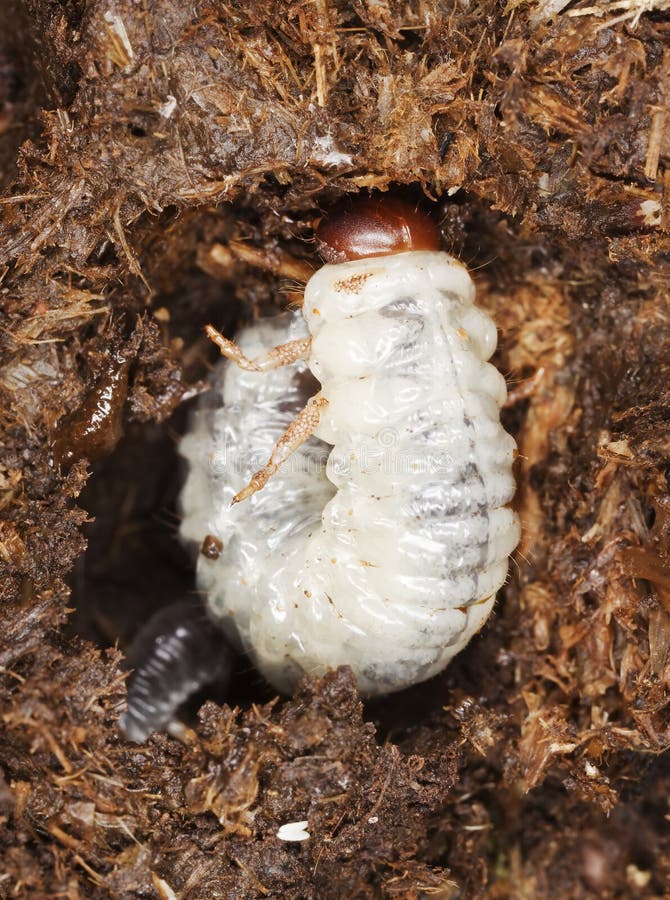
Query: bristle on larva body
{"points": [[388, 558]]}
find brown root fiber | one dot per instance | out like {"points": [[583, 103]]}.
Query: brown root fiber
{"points": [[150, 153]]}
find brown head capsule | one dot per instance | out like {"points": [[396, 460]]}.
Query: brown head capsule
{"points": [[375, 226]]}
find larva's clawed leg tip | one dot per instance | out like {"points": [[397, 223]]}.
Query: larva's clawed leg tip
{"points": [[240, 496], [230, 350], [257, 482], [282, 355], [214, 335]]}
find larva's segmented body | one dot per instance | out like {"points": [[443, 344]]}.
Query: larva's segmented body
{"points": [[389, 560]]}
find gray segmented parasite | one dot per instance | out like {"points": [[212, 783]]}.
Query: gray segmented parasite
{"points": [[378, 531]]}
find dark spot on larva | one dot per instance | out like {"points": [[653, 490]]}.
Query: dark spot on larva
{"points": [[403, 308], [433, 502], [469, 472], [452, 299], [211, 547]]}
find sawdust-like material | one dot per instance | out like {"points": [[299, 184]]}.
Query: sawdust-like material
{"points": [[161, 166]]}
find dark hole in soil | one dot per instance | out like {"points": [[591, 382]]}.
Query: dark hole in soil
{"points": [[21, 93], [137, 131]]}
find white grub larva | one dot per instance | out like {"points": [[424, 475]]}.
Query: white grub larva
{"points": [[388, 558]]}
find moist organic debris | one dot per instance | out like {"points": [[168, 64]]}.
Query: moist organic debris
{"points": [[161, 168]]}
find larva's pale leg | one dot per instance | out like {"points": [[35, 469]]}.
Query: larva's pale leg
{"points": [[283, 355], [299, 431]]}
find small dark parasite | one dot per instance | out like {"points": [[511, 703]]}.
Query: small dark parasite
{"points": [[211, 547], [175, 654]]}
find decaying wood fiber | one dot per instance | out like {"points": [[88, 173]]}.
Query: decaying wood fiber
{"points": [[151, 154]]}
